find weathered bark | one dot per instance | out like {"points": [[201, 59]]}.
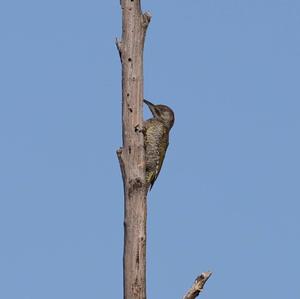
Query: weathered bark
{"points": [[131, 155], [198, 286]]}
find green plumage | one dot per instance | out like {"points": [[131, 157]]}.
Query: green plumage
{"points": [[156, 131], [156, 144]]}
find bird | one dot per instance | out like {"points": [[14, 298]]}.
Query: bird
{"points": [[156, 139]]}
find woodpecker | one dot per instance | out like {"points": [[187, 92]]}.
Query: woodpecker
{"points": [[156, 131]]}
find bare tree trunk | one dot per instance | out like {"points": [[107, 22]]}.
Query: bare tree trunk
{"points": [[131, 155]]}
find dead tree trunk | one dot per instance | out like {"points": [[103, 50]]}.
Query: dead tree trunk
{"points": [[131, 155]]}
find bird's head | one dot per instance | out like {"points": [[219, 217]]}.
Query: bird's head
{"points": [[163, 113]]}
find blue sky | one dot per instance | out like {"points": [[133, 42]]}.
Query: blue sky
{"points": [[227, 199]]}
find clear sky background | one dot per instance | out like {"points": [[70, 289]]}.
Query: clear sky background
{"points": [[227, 199]]}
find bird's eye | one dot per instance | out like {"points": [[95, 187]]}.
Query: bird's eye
{"points": [[158, 112]]}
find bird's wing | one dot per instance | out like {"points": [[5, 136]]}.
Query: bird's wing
{"points": [[162, 148]]}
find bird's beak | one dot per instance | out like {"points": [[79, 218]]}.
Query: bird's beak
{"points": [[151, 106]]}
